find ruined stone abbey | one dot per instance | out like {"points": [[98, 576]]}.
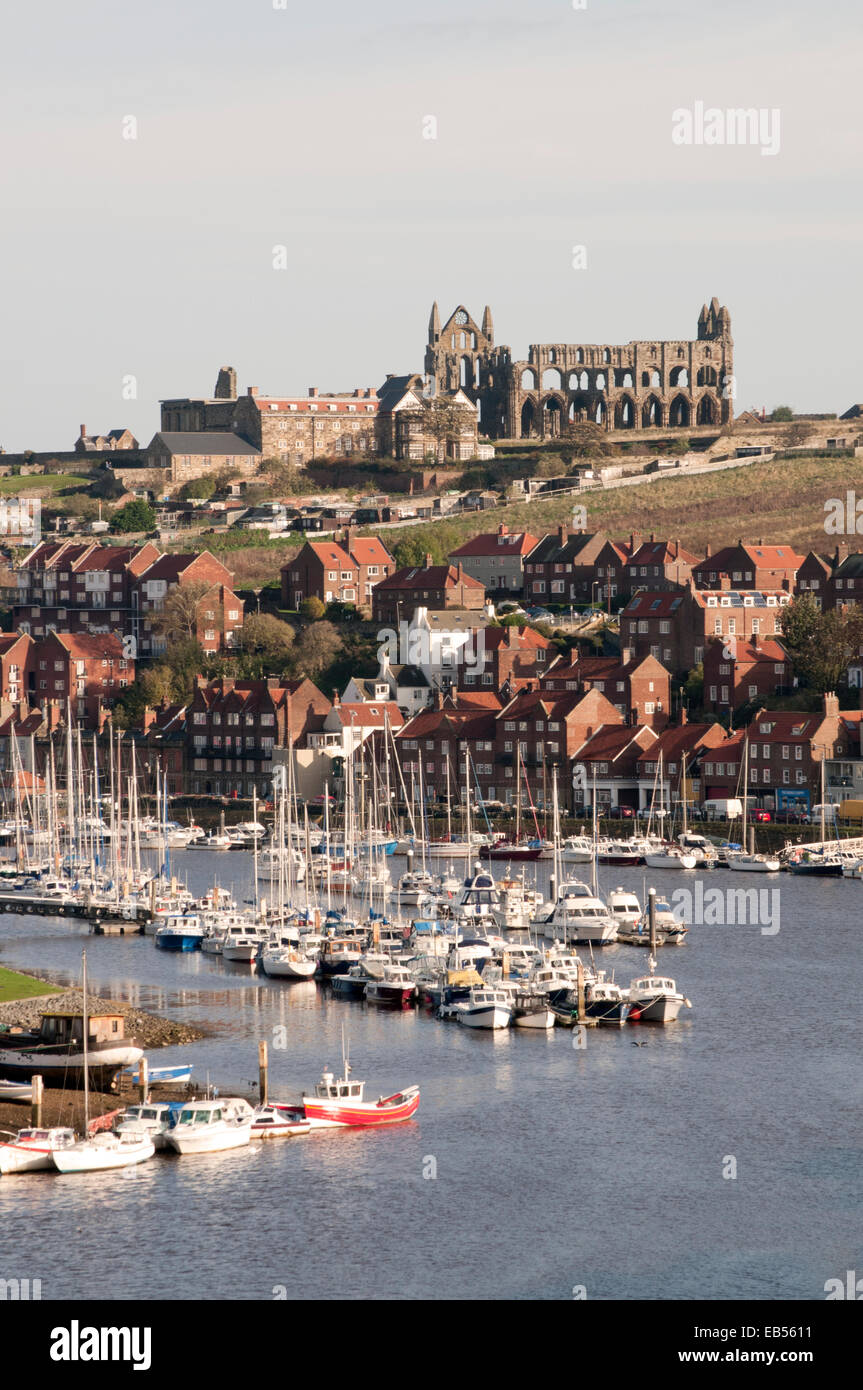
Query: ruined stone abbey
{"points": [[634, 386]]}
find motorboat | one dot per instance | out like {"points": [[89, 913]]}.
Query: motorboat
{"points": [[31, 1150], [155, 1118], [485, 1008], [624, 907], [579, 917], [275, 1121], [693, 843], [817, 863], [104, 1151], [606, 1002], [162, 1076], [181, 932], [530, 1008], [395, 986], [16, 1092], [669, 929], [246, 947], [209, 1126], [415, 887], [289, 960], [655, 998], [577, 849], [669, 857], [338, 1103], [621, 852]]}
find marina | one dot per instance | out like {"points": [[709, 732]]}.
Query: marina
{"points": [[690, 1084]]}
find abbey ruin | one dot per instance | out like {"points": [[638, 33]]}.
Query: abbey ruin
{"points": [[634, 386]]}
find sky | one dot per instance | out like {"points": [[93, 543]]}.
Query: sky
{"points": [[154, 155]]}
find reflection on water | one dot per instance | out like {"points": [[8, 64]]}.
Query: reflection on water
{"points": [[554, 1165]]}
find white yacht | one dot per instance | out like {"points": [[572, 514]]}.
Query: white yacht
{"points": [[624, 907], [578, 917], [104, 1151], [33, 1149], [485, 1008], [209, 1126], [155, 1118], [655, 998]]}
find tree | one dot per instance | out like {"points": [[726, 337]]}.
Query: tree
{"points": [[821, 645], [682, 445], [548, 466], [797, 433], [316, 648], [178, 620], [446, 421], [264, 646], [135, 516], [411, 552], [587, 440], [312, 608], [200, 489], [782, 412]]}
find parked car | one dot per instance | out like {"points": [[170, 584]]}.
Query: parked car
{"points": [[757, 814], [791, 817]]}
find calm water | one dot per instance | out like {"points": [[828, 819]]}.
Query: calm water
{"points": [[555, 1167]]}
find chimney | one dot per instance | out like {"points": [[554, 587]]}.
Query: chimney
{"points": [[227, 684], [675, 549], [841, 554], [438, 699], [831, 704], [725, 583], [428, 561], [653, 536], [503, 529], [273, 683], [313, 390], [83, 431], [251, 390], [148, 718], [708, 551], [684, 717], [562, 534], [337, 700]]}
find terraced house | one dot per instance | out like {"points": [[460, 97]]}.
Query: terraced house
{"points": [[233, 727]]}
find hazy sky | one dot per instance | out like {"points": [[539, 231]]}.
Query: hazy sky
{"points": [[258, 126]]}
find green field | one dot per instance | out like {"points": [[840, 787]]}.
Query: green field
{"points": [[34, 483], [15, 986]]}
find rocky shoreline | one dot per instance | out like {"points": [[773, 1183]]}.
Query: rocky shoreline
{"points": [[142, 1029]]}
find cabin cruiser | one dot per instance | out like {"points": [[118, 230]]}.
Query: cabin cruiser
{"points": [[32, 1149], [288, 958], [670, 857], [578, 916], [693, 843], [156, 1118], [395, 986], [624, 907], [655, 998], [245, 947], [415, 887], [517, 904], [621, 852], [209, 1126], [180, 932], [484, 1008], [669, 929], [479, 901], [530, 1007], [577, 849]]}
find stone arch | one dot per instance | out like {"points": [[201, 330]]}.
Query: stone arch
{"points": [[553, 412], [623, 378], [679, 377], [528, 379], [466, 372], [706, 413], [651, 413], [552, 377], [579, 355], [606, 354], [477, 373], [706, 376], [600, 414], [579, 408], [552, 354], [600, 382], [624, 413], [679, 412], [528, 420]]}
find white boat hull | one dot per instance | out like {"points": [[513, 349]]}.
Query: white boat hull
{"points": [[102, 1153], [487, 1016]]}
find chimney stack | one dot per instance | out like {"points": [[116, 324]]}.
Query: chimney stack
{"points": [[337, 700], [313, 391], [83, 431]]}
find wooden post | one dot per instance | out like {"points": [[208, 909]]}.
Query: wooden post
{"points": [[262, 1071], [143, 1080], [36, 1101], [580, 992]]}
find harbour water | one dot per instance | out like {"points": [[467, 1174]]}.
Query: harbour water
{"points": [[534, 1168]]}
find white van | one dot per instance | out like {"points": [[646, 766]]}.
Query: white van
{"points": [[722, 808]]}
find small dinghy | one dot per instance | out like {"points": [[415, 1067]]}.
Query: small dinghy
{"points": [[16, 1092]]}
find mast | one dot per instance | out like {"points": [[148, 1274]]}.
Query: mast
{"points": [[86, 1058]]}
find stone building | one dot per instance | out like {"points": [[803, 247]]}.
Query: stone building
{"points": [[643, 384]]}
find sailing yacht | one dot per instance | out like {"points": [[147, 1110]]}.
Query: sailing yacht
{"points": [[742, 861]]}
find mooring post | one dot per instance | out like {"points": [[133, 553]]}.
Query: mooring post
{"points": [[143, 1080], [36, 1094], [262, 1071], [580, 992]]}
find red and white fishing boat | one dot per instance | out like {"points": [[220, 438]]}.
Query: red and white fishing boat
{"points": [[338, 1102]]}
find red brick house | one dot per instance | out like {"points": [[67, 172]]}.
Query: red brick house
{"points": [[658, 565], [675, 627], [336, 572], [608, 762], [219, 610], [436, 587], [509, 653], [80, 587], [451, 743], [754, 669], [814, 577], [88, 669], [640, 690], [537, 734], [786, 748], [232, 728], [759, 566], [16, 666], [561, 567]]}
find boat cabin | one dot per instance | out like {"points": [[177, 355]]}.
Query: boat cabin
{"points": [[653, 984], [63, 1028], [328, 1088]]}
